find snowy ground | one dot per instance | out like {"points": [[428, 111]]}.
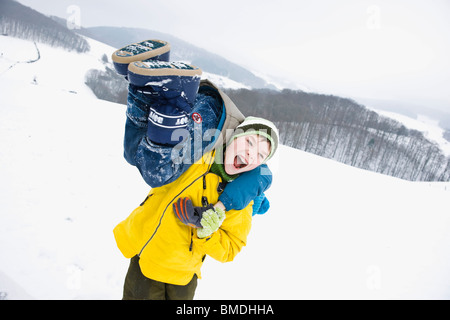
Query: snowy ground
{"points": [[333, 231]]}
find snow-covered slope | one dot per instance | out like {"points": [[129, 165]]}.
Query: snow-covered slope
{"points": [[428, 126], [333, 231], [56, 67], [223, 82], [337, 232]]}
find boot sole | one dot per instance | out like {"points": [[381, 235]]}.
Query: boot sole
{"points": [[163, 68], [142, 73], [122, 58]]}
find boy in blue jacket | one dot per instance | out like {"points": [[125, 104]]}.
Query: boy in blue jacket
{"points": [[173, 119]]}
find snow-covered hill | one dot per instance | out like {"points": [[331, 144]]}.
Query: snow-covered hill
{"points": [[430, 127], [333, 231]]}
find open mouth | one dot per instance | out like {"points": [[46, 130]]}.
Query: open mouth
{"points": [[240, 162]]}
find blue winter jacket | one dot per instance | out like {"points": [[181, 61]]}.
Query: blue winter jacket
{"points": [[160, 165]]}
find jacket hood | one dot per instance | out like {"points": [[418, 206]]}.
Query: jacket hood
{"points": [[233, 116]]}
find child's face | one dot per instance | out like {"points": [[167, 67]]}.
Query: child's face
{"points": [[246, 153]]}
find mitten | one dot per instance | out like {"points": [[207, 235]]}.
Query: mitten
{"points": [[188, 214], [211, 221]]}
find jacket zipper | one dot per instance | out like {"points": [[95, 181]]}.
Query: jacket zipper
{"points": [[192, 240], [164, 212], [145, 200]]}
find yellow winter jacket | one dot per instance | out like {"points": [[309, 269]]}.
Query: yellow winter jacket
{"points": [[169, 250]]}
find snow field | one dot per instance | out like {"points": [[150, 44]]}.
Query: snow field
{"points": [[333, 231]]}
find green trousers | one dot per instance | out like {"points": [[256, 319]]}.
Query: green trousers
{"points": [[139, 287]]}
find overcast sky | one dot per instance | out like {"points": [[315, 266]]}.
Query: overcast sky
{"points": [[388, 49]]}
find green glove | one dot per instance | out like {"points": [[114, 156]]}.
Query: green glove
{"points": [[211, 221]]}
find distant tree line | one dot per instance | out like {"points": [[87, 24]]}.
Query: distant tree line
{"points": [[325, 125], [107, 84], [23, 22], [343, 130]]}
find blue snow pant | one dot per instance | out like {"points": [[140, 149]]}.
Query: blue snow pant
{"points": [[159, 164]]}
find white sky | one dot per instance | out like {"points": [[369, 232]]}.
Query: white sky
{"points": [[387, 49]]}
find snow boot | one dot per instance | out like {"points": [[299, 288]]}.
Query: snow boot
{"points": [[140, 51], [171, 89]]}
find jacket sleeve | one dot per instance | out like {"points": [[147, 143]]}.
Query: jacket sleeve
{"points": [[245, 188], [224, 244]]}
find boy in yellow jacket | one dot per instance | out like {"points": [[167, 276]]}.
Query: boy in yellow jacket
{"points": [[168, 236], [166, 248]]}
